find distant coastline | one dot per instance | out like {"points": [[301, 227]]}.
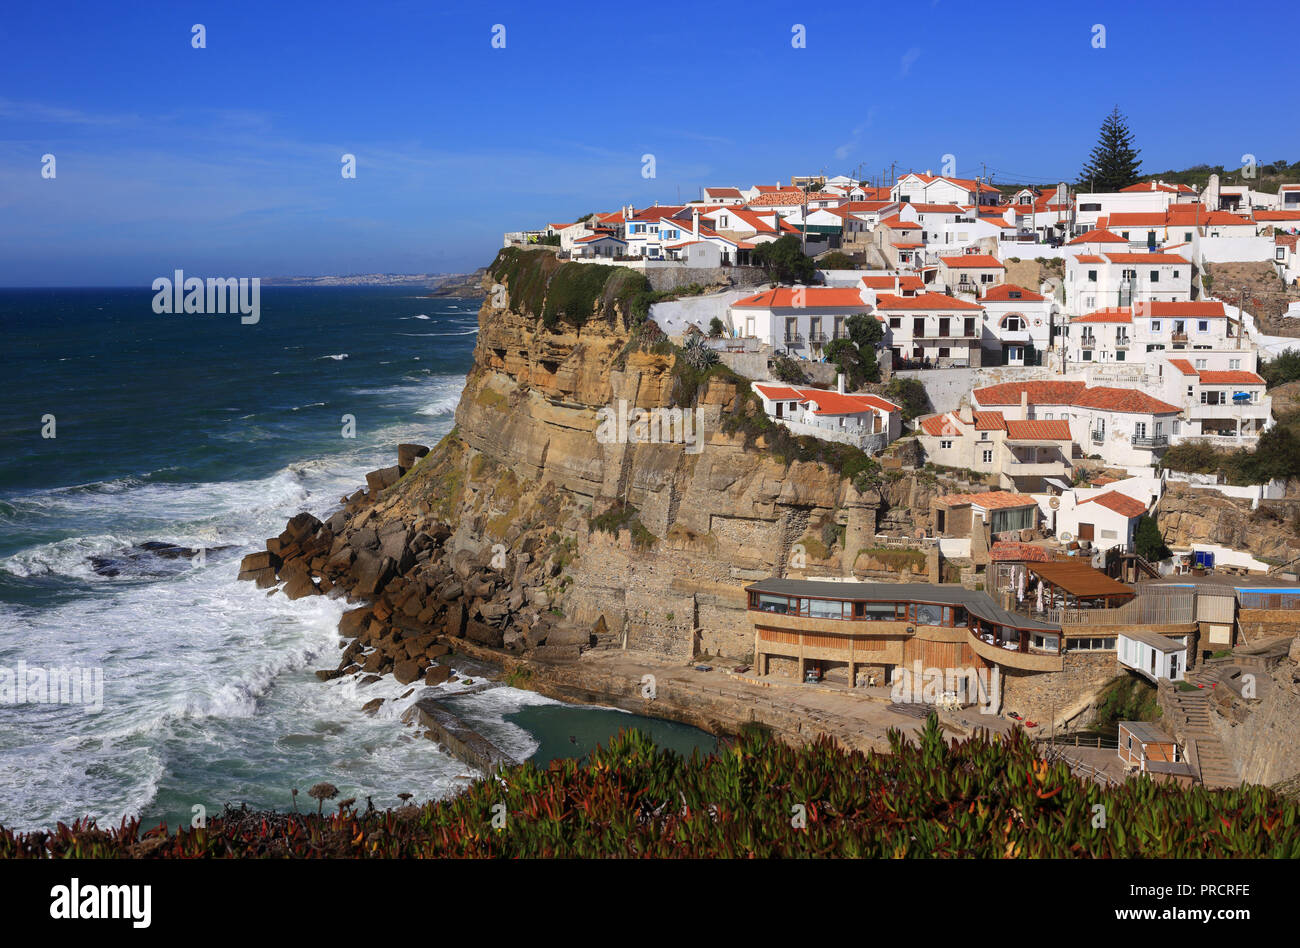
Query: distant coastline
{"points": [[441, 285]]}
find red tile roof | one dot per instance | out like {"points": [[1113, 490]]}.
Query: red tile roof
{"points": [[1183, 366], [1039, 429], [813, 296], [1074, 393], [722, 192], [1012, 550], [1002, 293], [828, 403], [923, 301], [981, 260], [1112, 314], [941, 425], [1096, 237], [1199, 309], [1230, 378], [778, 199], [1122, 504], [887, 282], [1089, 258], [989, 500], [1278, 215], [1124, 400], [990, 421], [897, 223], [1161, 258]]}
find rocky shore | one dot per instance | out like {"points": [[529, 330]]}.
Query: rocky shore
{"points": [[420, 597]]}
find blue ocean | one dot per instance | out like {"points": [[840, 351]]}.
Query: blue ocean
{"points": [[143, 456]]}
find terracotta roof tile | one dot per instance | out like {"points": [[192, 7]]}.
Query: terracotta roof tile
{"points": [[989, 500], [1039, 429], [980, 260], [1230, 378], [923, 301], [1122, 504], [1002, 293], [990, 421], [1015, 551]]}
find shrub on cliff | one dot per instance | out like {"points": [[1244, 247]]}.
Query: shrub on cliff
{"points": [[541, 285], [755, 798]]}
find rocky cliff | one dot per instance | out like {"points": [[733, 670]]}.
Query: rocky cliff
{"points": [[1189, 515]]}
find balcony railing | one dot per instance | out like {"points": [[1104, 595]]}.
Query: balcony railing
{"points": [[1154, 441], [818, 337], [1178, 336], [1098, 437], [793, 339]]}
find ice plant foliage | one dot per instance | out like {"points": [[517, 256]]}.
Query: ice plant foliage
{"points": [[982, 797]]}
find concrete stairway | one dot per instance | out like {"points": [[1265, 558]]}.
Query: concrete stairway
{"points": [[1217, 769]]}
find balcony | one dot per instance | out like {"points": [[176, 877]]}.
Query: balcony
{"points": [[818, 338], [1098, 437], [1154, 441], [1178, 336], [794, 339], [1260, 409]]}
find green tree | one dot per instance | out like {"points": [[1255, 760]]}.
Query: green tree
{"points": [[1149, 541], [1114, 162], [715, 327], [784, 261], [843, 354]]}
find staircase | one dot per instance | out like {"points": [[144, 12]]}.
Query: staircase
{"points": [[1193, 723]]}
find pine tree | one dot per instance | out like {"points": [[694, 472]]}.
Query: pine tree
{"points": [[1114, 162]]}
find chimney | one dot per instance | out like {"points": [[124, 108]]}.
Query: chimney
{"points": [[627, 212], [695, 223], [839, 383], [1024, 404], [898, 284], [966, 413]]}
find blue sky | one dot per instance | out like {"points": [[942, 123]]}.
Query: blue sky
{"points": [[226, 160]]}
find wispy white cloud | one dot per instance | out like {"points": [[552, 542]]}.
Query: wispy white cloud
{"points": [[908, 58]]}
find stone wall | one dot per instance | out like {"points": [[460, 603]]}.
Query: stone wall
{"points": [[670, 277], [1067, 695], [1256, 624]]}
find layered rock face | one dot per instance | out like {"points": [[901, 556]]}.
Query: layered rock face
{"points": [[532, 527], [714, 515], [1187, 515]]}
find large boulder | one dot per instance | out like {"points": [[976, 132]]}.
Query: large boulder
{"points": [[265, 578], [301, 527], [408, 454], [300, 585], [436, 675], [569, 635], [484, 634], [406, 671], [383, 478], [255, 561]]}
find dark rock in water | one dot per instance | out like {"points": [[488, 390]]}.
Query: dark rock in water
{"points": [[436, 675], [406, 672], [373, 705], [151, 558]]}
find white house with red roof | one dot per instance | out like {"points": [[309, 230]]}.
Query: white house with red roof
{"points": [[1017, 325], [1223, 398], [917, 188], [932, 329], [971, 273], [1125, 427], [865, 421], [799, 320], [1026, 455], [1149, 196], [723, 196], [1111, 278], [1148, 332], [1106, 517]]}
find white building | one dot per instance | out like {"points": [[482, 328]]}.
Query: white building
{"points": [[1025, 455], [1118, 278], [799, 320], [1218, 403], [1017, 325], [932, 328], [868, 422], [1124, 427]]}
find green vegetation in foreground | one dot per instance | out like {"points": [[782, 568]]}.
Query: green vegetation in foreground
{"points": [[984, 797]]}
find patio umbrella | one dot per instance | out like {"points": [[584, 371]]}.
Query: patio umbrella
{"points": [[1040, 595], [1020, 584]]}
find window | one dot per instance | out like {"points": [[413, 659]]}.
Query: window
{"points": [[927, 614], [826, 609], [1092, 276], [1155, 276], [1177, 426], [1200, 364], [1202, 325], [1187, 238], [1139, 429], [1087, 355], [988, 457], [768, 603], [1155, 325], [945, 445], [1214, 398], [1013, 324], [895, 322], [1175, 276], [1234, 365], [878, 611]]}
